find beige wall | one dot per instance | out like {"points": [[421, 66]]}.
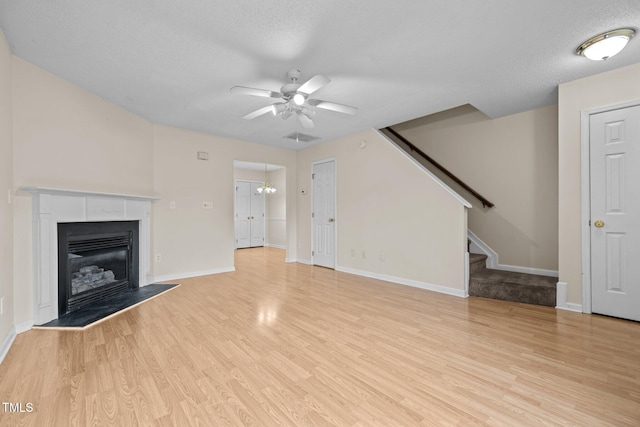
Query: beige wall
{"points": [[606, 89], [66, 137], [389, 209], [192, 239], [513, 162], [6, 210], [276, 213]]}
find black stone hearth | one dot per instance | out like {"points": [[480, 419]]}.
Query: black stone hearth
{"points": [[92, 313]]}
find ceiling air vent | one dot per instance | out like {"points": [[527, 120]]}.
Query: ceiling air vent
{"points": [[301, 137]]}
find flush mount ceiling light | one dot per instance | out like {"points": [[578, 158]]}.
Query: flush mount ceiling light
{"points": [[606, 45]]}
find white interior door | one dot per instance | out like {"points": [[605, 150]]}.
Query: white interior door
{"points": [[249, 218], [615, 212], [257, 215], [323, 221]]}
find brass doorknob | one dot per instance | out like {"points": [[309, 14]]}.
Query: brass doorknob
{"points": [[599, 223], [330, 219]]}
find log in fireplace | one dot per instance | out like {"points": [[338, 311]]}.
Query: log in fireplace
{"points": [[96, 260]]}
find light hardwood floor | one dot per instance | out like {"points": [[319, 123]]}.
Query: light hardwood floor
{"points": [[289, 344]]}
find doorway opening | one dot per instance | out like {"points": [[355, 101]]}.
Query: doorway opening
{"points": [[260, 218]]}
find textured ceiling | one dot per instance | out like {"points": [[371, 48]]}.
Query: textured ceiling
{"points": [[174, 62]]}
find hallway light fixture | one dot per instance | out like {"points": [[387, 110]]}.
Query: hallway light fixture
{"points": [[266, 187], [605, 45]]}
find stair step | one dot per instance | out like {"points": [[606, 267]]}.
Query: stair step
{"points": [[477, 262], [516, 287]]}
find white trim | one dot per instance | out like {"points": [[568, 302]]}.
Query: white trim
{"points": [[168, 277], [407, 282], [5, 346], [24, 326], [335, 207], [448, 189], [585, 195], [561, 299], [275, 246], [53, 206], [82, 193], [478, 246], [585, 211], [527, 270], [301, 261], [467, 273]]}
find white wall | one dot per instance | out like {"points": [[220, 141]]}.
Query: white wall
{"points": [[513, 162], [6, 177], [606, 89], [389, 209]]}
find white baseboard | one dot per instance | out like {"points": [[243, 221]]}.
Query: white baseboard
{"points": [[271, 245], [407, 282], [301, 261], [24, 326], [561, 299], [527, 270], [478, 246], [7, 342], [168, 277]]}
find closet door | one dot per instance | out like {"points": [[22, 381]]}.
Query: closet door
{"points": [[249, 218], [243, 214], [257, 215]]}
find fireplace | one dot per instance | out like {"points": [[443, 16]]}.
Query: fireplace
{"points": [[96, 260]]}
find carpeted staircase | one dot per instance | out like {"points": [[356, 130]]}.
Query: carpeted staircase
{"points": [[509, 286]]}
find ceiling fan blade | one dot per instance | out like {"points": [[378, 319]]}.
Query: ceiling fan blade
{"points": [[340, 108], [259, 112], [313, 84], [255, 92], [307, 123]]}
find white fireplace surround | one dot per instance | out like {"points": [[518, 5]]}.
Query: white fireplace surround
{"points": [[51, 206]]}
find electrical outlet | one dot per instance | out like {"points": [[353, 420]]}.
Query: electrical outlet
{"points": [[382, 258], [364, 255], [9, 196], [172, 204], [158, 257], [2, 306], [353, 252]]}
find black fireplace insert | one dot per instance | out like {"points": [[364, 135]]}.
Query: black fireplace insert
{"points": [[96, 260]]}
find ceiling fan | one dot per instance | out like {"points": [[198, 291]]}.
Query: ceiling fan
{"points": [[295, 99]]}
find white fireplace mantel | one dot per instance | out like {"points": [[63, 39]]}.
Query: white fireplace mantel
{"points": [[52, 206]]}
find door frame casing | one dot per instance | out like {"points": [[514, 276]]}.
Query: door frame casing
{"points": [[585, 172], [335, 209]]}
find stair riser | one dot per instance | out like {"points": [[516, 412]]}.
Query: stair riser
{"points": [[476, 266], [513, 292]]}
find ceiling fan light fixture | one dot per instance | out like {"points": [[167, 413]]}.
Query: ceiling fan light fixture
{"points": [[308, 112], [298, 99], [286, 114], [605, 45], [278, 108]]}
